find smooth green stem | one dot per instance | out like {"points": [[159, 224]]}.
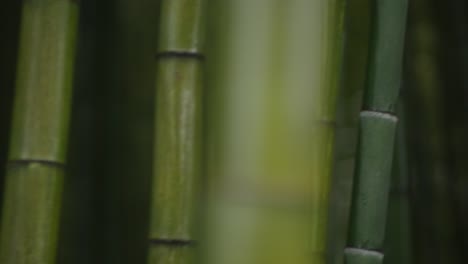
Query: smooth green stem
{"points": [[177, 149], [377, 133], [277, 66], [39, 134]]}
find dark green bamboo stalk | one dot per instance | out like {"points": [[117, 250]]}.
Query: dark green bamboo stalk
{"points": [[398, 238], [39, 134], [347, 124], [10, 15], [434, 225], [177, 160], [454, 66], [377, 132], [277, 68]]}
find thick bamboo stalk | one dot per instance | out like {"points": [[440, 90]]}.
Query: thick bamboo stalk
{"points": [[347, 124], [177, 161], [377, 132], [39, 133], [277, 68]]}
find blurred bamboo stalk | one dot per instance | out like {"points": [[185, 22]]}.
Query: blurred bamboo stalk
{"points": [[35, 169], [434, 237], [357, 28], [177, 147], [454, 66], [377, 133], [276, 68]]}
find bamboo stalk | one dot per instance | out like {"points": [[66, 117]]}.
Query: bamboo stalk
{"points": [[454, 65], [434, 225], [10, 16], [137, 42], [398, 238], [347, 124], [177, 160], [377, 132], [277, 66], [39, 133]]}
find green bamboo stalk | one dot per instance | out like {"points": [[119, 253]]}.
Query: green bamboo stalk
{"points": [[277, 68], [377, 132], [177, 161], [398, 239], [39, 133], [347, 124]]}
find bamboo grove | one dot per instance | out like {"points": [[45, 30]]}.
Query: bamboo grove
{"points": [[233, 131]]}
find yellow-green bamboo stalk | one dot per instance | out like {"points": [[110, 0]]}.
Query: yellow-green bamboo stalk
{"points": [[177, 149], [277, 68], [39, 134]]}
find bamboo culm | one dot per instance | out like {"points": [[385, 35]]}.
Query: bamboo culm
{"points": [[36, 160], [347, 124], [435, 233], [277, 69], [377, 133], [398, 235], [177, 149]]}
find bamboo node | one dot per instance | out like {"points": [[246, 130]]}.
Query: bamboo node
{"points": [[376, 114], [364, 252]]}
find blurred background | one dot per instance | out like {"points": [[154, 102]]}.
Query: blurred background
{"points": [[107, 188]]}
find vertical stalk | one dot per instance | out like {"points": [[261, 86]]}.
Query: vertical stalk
{"points": [[434, 223], [177, 148], [398, 238], [138, 20], [35, 168], [277, 70], [10, 16], [454, 65], [347, 123], [377, 132]]}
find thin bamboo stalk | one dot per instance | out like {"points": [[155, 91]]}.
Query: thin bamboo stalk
{"points": [[347, 124], [35, 168], [277, 69], [398, 238], [177, 149], [377, 132]]}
